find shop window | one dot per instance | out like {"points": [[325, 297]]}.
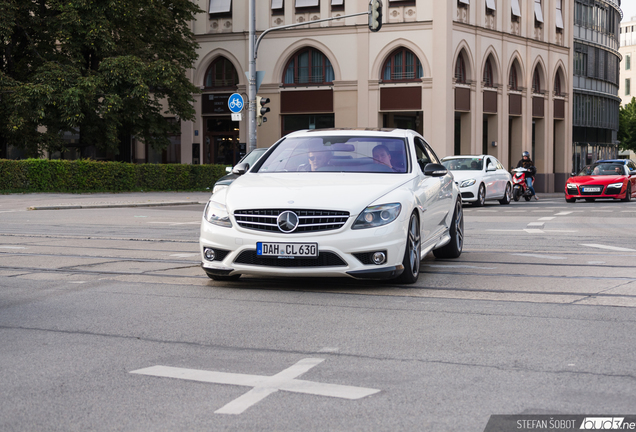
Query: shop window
{"points": [[308, 67], [402, 65]]}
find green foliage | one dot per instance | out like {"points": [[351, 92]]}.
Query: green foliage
{"points": [[77, 176], [627, 126], [103, 67]]}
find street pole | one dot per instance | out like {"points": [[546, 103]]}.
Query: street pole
{"points": [[251, 94]]}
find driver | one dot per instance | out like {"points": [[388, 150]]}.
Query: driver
{"points": [[527, 163], [381, 155]]}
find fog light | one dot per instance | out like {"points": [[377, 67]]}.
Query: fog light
{"points": [[379, 258], [209, 254]]}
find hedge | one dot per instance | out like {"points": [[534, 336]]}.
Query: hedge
{"points": [[42, 175]]}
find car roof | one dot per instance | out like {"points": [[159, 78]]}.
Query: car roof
{"points": [[619, 161], [465, 157], [355, 131]]}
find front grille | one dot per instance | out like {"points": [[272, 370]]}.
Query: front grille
{"points": [[582, 188], [325, 259], [309, 220]]}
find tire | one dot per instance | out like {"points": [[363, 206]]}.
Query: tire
{"points": [[516, 195], [481, 196], [412, 253], [628, 193], [570, 200], [224, 278], [507, 196], [590, 199], [527, 198], [454, 248]]}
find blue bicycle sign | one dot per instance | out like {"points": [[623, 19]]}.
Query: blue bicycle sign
{"points": [[235, 103]]}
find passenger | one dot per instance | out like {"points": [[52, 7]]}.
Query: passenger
{"points": [[618, 170], [381, 155], [596, 171], [473, 165], [318, 159]]}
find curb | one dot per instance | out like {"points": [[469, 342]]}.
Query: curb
{"points": [[119, 205]]}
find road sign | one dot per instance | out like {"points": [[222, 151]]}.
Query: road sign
{"points": [[235, 103], [237, 116]]}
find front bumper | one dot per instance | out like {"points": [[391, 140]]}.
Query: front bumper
{"points": [[607, 193], [236, 249], [469, 193]]}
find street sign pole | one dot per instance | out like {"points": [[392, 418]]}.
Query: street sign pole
{"points": [[252, 78]]}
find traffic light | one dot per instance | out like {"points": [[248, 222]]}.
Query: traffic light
{"points": [[375, 15], [262, 109]]}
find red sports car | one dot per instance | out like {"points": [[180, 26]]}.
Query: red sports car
{"points": [[614, 178]]}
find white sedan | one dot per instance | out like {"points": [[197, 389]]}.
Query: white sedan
{"points": [[368, 204], [480, 178]]}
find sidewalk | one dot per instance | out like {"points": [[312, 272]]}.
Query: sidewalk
{"points": [[60, 201]]}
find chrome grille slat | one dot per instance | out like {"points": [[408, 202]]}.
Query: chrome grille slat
{"points": [[309, 220]]}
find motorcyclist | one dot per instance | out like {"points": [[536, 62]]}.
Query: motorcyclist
{"points": [[527, 163]]}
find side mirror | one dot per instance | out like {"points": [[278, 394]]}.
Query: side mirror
{"points": [[491, 168], [435, 170], [573, 174], [241, 168], [228, 169], [632, 172]]}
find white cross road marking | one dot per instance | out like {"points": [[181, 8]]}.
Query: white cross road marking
{"points": [[184, 255], [263, 386], [540, 256], [563, 213], [549, 218], [536, 224], [458, 266], [533, 231], [12, 247], [614, 248]]}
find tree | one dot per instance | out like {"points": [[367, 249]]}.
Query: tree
{"points": [[104, 68], [627, 126]]}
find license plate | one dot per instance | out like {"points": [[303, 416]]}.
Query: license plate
{"points": [[592, 189], [300, 250]]}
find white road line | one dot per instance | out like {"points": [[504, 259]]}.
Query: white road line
{"points": [[596, 262], [613, 248], [184, 255], [548, 218], [176, 223], [515, 211], [12, 247], [563, 213], [536, 224], [533, 231], [628, 211], [459, 266], [540, 256], [263, 386]]}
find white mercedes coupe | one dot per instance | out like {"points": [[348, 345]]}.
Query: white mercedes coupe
{"points": [[367, 204]]}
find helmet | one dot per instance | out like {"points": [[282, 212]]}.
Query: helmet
{"points": [[525, 153]]}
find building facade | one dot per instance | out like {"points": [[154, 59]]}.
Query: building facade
{"points": [[627, 51], [596, 80], [472, 76]]}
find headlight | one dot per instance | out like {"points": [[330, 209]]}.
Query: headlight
{"points": [[615, 185], [571, 186], [467, 183], [375, 216], [216, 214], [218, 187]]}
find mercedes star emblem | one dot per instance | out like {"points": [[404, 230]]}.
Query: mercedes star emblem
{"points": [[287, 221]]}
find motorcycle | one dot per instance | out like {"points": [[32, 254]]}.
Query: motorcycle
{"points": [[519, 186]]}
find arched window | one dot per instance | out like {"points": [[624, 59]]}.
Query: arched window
{"points": [[536, 82], [512, 80], [402, 65], [308, 66], [488, 80], [221, 74], [557, 85], [460, 70]]}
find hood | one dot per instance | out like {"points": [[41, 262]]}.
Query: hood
{"points": [[600, 179], [326, 191], [459, 176]]}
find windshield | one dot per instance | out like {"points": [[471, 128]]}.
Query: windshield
{"points": [[464, 164], [603, 169], [338, 154]]}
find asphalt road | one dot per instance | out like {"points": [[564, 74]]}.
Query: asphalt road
{"points": [[107, 322]]}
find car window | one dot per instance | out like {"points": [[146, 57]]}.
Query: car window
{"points": [[432, 154], [604, 168], [421, 154], [499, 165], [464, 164], [631, 165], [315, 153]]}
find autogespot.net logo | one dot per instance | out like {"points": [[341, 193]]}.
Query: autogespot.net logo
{"points": [[603, 423]]}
